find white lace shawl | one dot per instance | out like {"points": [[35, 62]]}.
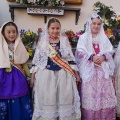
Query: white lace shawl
{"points": [[86, 67], [42, 51], [85, 50]]}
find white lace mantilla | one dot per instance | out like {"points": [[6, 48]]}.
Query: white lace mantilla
{"points": [[83, 53], [41, 54]]}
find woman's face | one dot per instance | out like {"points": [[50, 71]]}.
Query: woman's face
{"points": [[95, 25], [54, 29], [10, 34]]}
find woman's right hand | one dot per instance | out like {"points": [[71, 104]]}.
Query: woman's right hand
{"points": [[96, 59]]}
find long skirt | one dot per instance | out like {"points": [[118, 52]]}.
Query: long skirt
{"points": [[16, 108], [98, 97], [56, 96], [15, 101]]}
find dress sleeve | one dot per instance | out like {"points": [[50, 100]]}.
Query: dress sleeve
{"points": [[35, 61], [84, 61], [39, 60]]}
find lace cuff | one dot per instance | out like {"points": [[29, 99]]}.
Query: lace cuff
{"points": [[34, 69]]}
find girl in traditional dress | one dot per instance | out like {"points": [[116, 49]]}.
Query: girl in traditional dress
{"points": [[54, 75], [117, 78], [96, 66], [15, 102]]}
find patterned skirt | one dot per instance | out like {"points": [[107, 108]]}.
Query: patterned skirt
{"points": [[15, 101], [16, 109], [98, 98]]}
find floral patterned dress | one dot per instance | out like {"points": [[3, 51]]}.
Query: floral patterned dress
{"points": [[97, 94]]}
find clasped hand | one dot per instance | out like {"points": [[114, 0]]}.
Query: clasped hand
{"points": [[98, 59]]}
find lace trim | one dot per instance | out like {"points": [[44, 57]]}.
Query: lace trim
{"points": [[41, 55], [71, 117], [40, 58], [108, 66], [86, 67], [75, 109]]}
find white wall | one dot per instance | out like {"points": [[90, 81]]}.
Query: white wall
{"points": [[32, 22], [4, 12]]}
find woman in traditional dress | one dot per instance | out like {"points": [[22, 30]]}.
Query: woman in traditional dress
{"points": [[54, 75], [96, 66], [117, 79], [15, 102]]}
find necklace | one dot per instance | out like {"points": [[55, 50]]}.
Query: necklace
{"points": [[96, 42], [11, 46], [53, 38]]}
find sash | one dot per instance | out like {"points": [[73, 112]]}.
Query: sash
{"points": [[59, 61]]}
